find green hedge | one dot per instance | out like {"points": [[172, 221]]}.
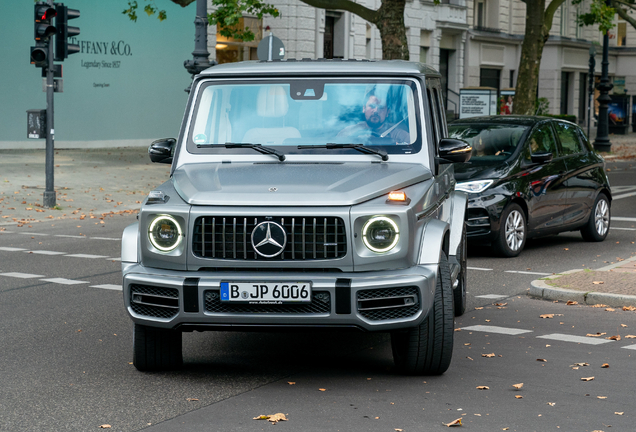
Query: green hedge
{"points": [[567, 117]]}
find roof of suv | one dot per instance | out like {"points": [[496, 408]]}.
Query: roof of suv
{"points": [[321, 67]]}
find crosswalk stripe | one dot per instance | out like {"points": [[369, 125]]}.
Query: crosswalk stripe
{"points": [[21, 275], [576, 339], [479, 268], [632, 347], [45, 252], [491, 296], [496, 329], [11, 249], [86, 256], [108, 287], [528, 272]]}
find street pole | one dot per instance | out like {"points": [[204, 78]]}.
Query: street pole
{"points": [[602, 142], [200, 55], [49, 199], [591, 88]]}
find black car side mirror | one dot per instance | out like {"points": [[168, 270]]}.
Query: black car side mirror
{"points": [[453, 150], [541, 158], [160, 151]]}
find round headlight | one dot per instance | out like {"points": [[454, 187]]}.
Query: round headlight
{"points": [[380, 234], [165, 233]]}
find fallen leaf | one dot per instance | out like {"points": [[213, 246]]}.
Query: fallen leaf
{"points": [[547, 316], [610, 310], [483, 388], [620, 413], [587, 379], [566, 249], [469, 358], [605, 365], [291, 383], [598, 282], [518, 386], [105, 426], [398, 430], [602, 397], [596, 335], [600, 305], [571, 303], [630, 337], [542, 360], [321, 389], [477, 308], [615, 337], [192, 400], [623, 325], [274, 418], [487, 320], [454, 423], [488, 355], [518, 397], [580, 364], [629, 308], [501, 304], [552, 403]]}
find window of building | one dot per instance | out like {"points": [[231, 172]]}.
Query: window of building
{"points": [[512, 79], [368, 45], [490, 78], [334, 38], [565, 92], [230, 50], [480, 13], [564, 20], [425, 43], [621, 34]]}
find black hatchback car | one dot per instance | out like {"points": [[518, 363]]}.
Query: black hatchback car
{"points": [[529, 177]]}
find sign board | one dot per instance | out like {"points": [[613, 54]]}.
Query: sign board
{"points": [[477, 101], [36, 124], [270, 48]]}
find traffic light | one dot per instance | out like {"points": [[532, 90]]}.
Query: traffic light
{"points": [[62, 46], [43, 30]]}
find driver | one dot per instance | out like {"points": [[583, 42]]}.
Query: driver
{"points": [[375, 112]]}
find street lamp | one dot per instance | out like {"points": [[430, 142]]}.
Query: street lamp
{"points": [[602, 142], [200, 55]]}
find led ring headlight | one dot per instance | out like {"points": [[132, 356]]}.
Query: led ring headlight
{"points": [[165, 233], [380, 234]]}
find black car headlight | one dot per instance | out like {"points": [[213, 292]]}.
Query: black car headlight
{"points": [[380, 234], [165, 233]]}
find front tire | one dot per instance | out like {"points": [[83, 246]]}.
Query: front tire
{"points": [[428, 348], [156, 349], [597, 227], [512, 234]]}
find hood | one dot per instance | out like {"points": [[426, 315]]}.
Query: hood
{"points": [[472, 171], [292, 184]]}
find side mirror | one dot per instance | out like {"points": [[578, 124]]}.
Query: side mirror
{"points": [[454, 151], [541, 158], [160, 151]]}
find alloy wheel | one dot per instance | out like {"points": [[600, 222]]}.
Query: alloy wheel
{"points": [[515, 230], [601, 217]]}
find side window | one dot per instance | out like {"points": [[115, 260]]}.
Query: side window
{"points": [[541, 141], [440, 113], [431, 107], [570, 143]]}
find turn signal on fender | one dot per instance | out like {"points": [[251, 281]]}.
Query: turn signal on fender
{"points": [[397, 196]]}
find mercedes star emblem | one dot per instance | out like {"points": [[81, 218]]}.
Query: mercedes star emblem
{"points": [[269, 239]]}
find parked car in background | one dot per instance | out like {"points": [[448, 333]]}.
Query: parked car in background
{"points": [[530, 177]]}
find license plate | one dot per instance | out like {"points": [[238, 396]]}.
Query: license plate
{"points": [[266, 292]]}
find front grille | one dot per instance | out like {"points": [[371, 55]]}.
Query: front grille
{"points": [[389, 303], [308, 238], [158, 302], [320, 304]]}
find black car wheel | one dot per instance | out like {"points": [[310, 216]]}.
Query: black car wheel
{"points": [[459, 293], [427, 349], [156, 349], [511, 237], [598, 225]]}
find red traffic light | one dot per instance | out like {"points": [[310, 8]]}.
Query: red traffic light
{"points": [[45, 13]]}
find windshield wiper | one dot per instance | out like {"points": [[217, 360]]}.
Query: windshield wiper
{"points": [[258, 147], [360, 147]]}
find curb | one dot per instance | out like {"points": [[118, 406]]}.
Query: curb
{"points": [[541, 290]]}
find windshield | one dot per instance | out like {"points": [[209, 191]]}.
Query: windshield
{"points": [[300, 112], [490, 142]]}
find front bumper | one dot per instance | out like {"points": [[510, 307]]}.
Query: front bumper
{"points": [[483, 216], [371, 301]]}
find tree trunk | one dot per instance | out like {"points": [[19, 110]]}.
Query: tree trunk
{"points": [[390, 22], [530, 62]]}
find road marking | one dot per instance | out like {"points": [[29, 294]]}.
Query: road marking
{"points": [[632, 347], [86, 256], [478, 268], [495, 329], [21, 275], [575, 339], [11, 249], [491, 296], [105, 238], [114, 259], [70, 236], [108, 287], [623, 219], [64, 281], [624, 229], [528, 272], [627, 195], [45, 252], [32, 234]]}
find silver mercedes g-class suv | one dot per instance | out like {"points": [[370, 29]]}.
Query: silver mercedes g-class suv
{"points": [[304, 194]]}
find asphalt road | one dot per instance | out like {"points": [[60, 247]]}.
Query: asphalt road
{"points": [[67, 350]]}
